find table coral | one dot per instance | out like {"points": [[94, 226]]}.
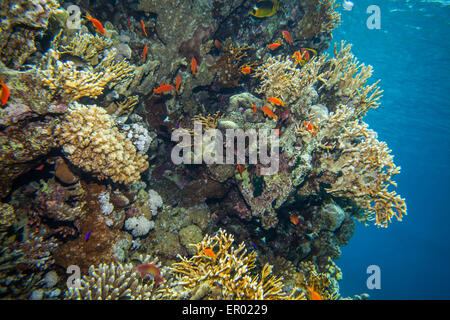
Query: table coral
{"points": [[91, 141]]}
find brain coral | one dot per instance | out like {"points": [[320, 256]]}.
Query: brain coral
{"points": [[92, 142]]}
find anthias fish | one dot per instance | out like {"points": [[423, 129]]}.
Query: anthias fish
{"points": [[274, 45], [97, 24], [163, 88], [264, 8], [268, 112], [144, 53], [143, 28], [5, 93], [177, 83], [246, 70], [276, 101], [209, 253], [194, 66], [287, 36], [149, 269]]}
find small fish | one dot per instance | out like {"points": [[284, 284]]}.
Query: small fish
{"points": [[129, 23], [246, 70], [217, 44], [177, 83], [273, 46], [254, 108], [163, 88], [144, 53], [5, 93], [87, 236], [268, 112], [149, 269], [143, 28], [209, 253], [294, 219], [287, 36], [297, 57], [241, 169], [305, 55], [276, 101], [254, 246], [264, 8], [194, 66], [97, 24], [314, 294], [40, 167]]}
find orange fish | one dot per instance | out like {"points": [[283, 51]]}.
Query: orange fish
{"points": [[309, 126], [40, 167], [314, 294], [177, 83], [254, 108], [209, 253], [275, 101], [273, 46], [246, 70], [144, 53], [129, 23], [194, 66], [143, 28], [268, 112], [241, 169], [5, 93], [294, 219], [217, 44], [163, 88], [287, 36], [149, 269], [305, 54], [297, 56], [97, 24]]}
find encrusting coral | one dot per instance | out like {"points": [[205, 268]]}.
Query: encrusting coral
{"points": [[220, 271], [91, 141]]}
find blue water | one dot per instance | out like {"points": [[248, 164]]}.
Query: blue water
{"points": [[410, 54]]}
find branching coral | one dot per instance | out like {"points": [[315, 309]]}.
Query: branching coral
{"points": [[228, 66], [320, 17], [92, 142], [220, 271], [364, 166], [111, 282], [65, 79], [280, 78], [345, 78]]}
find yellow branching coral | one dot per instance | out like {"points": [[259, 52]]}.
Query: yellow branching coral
{"points": [[347, 78], [280, 78], [92, 142], [364, 166], [220, 271], [65, 78]]}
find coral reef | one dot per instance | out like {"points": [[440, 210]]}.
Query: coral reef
{"points": [[86, 172]]}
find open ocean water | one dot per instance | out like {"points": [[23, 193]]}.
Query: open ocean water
{"points": [[410, 54]]}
